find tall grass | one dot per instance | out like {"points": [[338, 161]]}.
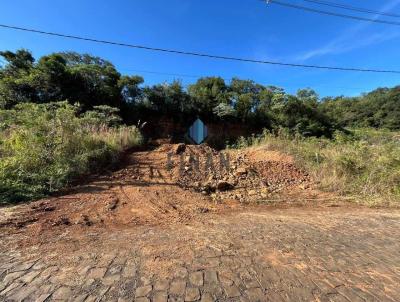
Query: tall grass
{"points": [[364, 164], [43, 148]]}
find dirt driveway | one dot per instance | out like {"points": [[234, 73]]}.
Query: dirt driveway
{"points": [[131, 236], [326, 254]]}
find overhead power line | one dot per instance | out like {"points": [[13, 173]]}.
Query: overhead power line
{"points": [[192, 76], [318, 11], [353, 8], [196, 54]]}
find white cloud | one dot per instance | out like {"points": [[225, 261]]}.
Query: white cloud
{"points": [[354, 38]]}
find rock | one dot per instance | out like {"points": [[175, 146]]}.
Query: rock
{"points": [[241, 171], [203, 210], [62, 221], [49, 209], [208, 188], [84, 219], [180, 148], [252, 192], [112, 204], [224, 186]]}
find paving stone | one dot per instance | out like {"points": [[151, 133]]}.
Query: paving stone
{"points": [[255, 294], [103, 291], [80, 297], [207, 297], [23, 293], [40, 265], [129, 272], [160, 296], [11, 287], [63, 293], [324, 287], [115, 269], [12, 276], [91, 298], [337, 298], [89, 283], [251, 283], [232, 291], [210, 277], [177, 288], [110, 280], [23, 266], [349, 294], [143, 291], [225, 281], [366, 296], [274, 297], [44, 297], [175, 299], [142, 299], [27, 278], [196, 278], [192, 294], [181, 272], [212, 263], [97, 273], [282, 256], [161, 285], [145, 280]]}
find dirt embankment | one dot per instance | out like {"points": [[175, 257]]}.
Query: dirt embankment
{"points": [[171, 184]]}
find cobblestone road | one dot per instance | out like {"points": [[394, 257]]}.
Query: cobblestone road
{"points": [[327, 254]]}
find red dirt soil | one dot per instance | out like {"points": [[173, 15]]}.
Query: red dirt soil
{"points": [[146, 192]]}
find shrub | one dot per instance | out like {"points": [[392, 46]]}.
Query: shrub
{"points": [[45, 147], [364, 164]]}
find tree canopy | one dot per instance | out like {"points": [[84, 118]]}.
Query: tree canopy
{"points": [[92, 82]]}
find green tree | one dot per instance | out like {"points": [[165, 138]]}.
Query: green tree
{"points": [[207, 93], [15, 82]]}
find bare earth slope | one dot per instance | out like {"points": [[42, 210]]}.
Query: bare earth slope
{"points": [[153, 189], [149, 233]]}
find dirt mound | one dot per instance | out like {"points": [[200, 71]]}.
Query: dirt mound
{"points": [[246, 176], [171, 184]]}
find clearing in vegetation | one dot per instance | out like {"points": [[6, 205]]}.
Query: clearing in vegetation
{"points": [[145, 191]]}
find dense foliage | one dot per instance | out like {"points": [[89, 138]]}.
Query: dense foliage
{"points": [[378, 109], [44, 147], [92, 81]]}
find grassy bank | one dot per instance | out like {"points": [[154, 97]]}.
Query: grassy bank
{"points": [[43, 148], [364, 164]]}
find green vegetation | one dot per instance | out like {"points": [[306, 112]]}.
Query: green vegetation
{"points": [[364, 165], [46, 141], [92, 81], [378, 109], [45, 147]]}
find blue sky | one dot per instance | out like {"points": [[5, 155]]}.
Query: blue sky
{"points": [[243, 28]]}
